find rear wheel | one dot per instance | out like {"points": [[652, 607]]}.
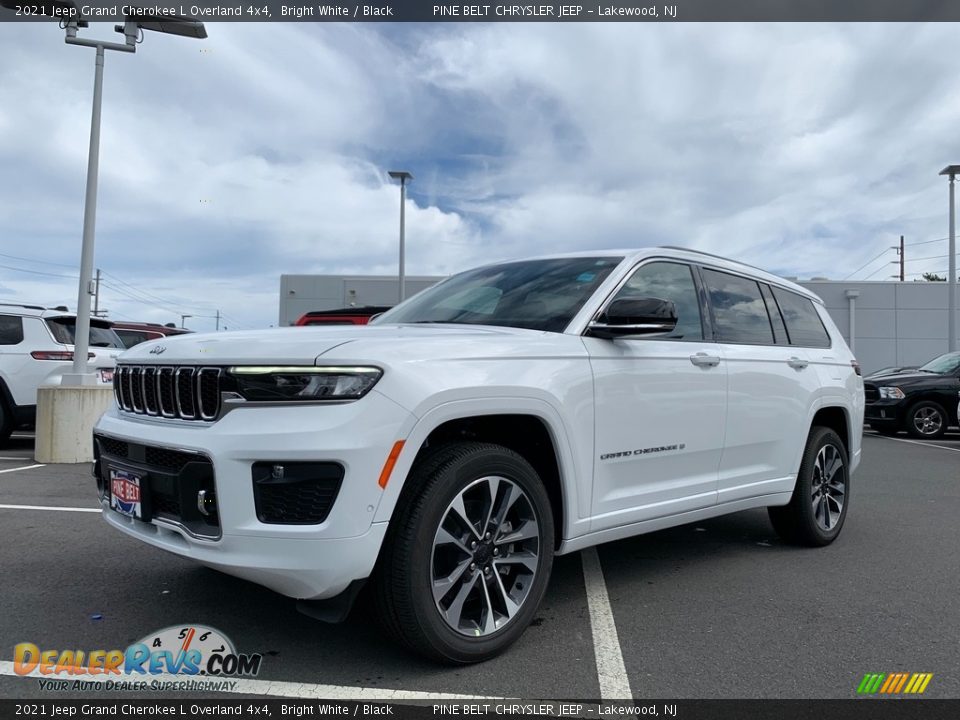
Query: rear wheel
{"points": [[6, 424], [816, 511], [468, 556], [926, 420]]}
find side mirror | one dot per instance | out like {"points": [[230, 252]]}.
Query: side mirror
{"points": [[635, 316]]}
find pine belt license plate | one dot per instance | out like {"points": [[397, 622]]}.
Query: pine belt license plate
{"points": [[125, 495]]}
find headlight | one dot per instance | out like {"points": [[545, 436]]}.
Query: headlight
{"points": [[298, 384], [891, 393]]}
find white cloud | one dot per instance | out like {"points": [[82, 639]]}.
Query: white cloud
{"points": [[263, 150]]}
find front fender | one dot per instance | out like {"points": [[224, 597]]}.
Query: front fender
{"points": [[573, 460]]}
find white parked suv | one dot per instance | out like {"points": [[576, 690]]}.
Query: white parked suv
{"points": [[36, 348], [445, 453]]}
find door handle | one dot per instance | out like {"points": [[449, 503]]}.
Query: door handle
{"points": [[797, 363], [701, 359]]}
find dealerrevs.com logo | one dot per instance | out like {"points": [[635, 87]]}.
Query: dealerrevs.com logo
{"points": [[170, 659]]}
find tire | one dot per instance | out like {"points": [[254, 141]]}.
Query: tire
{"points": [[926, 420], [6, 424], [803, 520], [431, 591]]}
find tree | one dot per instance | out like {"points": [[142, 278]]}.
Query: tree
{"points": [[933, 277]]}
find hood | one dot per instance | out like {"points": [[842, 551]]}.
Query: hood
{"points": [[300, 345], [907, 377]]}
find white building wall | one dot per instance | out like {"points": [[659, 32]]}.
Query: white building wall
{"points": [[896, 323]]}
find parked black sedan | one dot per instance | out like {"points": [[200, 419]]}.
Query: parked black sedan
{"points": [[923, 401]]}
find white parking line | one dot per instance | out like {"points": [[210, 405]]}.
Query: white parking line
{"points": [[917, 442], [48, 507], [25, 467], [14, 458], [277, 688], [611, 672]]}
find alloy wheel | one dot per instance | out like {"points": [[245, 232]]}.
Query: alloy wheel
{"points": [[927, 420], [829, 484], [486, 554]]}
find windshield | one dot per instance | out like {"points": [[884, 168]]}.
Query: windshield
{"points": [[535, 294], [943, 365], [64, 330]]}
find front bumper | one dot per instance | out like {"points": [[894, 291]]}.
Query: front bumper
{"points": [[884, 412], [307, 561]]}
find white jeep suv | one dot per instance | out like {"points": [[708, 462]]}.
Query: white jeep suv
{"points": [[36, 348], [445, 453]]}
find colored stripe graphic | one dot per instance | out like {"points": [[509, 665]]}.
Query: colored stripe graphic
{"points": [[894, 683], [918, 683]]}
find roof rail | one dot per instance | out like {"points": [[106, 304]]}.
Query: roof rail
{"points": [[21, 305], [713, 255]]}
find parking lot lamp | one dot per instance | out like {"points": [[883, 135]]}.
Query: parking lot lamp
{"points": [[131, 30], [402, 176], [951, 171]]}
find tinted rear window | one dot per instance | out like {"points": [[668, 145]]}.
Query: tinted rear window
{"points": [[739, 312], [804, 325], [63, 330], [11, 330]]}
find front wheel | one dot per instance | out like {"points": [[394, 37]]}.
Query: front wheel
{"points": [[468, 555], [926, 420], [816, 511]]}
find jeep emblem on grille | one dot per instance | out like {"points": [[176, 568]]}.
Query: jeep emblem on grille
{"points": [[157, 350]]}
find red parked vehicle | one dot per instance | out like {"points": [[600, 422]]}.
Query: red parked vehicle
{"points": [[133, 333], [342, 316]]}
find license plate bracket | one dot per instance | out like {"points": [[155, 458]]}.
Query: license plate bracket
{"points": [[126, 492]]}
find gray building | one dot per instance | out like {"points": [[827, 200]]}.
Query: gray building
{"points": [[300, 294], [894, 323]]}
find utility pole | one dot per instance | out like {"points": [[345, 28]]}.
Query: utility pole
{"points": [[96, 295], [218, 321], [903, 260]]}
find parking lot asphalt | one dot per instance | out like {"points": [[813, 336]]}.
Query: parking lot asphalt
{"points": [[717, 609]]}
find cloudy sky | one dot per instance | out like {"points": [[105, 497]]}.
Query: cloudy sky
{"points": [[806, 149]]}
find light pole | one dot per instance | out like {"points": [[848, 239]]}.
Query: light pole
{"points": [[131, 30], [951, 171], [402, 176]]}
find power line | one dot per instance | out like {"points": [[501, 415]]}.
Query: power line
{"points": [[927, 242], [157, 298], [38, 262], [141, 300], [874, 272], [38, 272], [931, 257], [869, 262]]}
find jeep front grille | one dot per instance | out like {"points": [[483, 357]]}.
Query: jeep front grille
{"points": [[185, 392]]}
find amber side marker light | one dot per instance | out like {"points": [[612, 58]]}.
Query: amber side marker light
{"points": [[388, 465]]}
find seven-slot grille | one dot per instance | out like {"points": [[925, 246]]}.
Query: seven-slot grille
{"points": [[184, 392], [871, 393]]}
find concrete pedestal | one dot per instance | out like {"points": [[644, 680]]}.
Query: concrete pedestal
{"points": [[65, 420]]}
